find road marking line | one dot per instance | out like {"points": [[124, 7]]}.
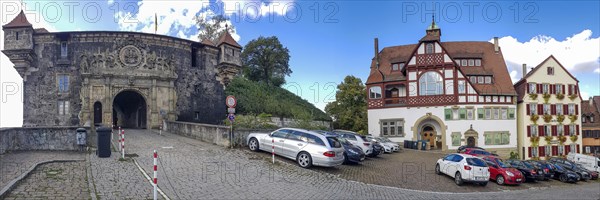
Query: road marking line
{"points": [[149, 179]]}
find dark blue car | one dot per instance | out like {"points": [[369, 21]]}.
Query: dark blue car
{"points": [[352, 154]]}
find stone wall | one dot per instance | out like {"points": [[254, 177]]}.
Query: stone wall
{"points": [[214, 134], [38, 138], [287, 122]]}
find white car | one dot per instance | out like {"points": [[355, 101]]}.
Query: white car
{"points": [[306, 147], [590, 163], [464, 168], [357, 140], [388, 144]]}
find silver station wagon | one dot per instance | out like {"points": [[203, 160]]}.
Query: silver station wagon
{"points": [[306, 147]]}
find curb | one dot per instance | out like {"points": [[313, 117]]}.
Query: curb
{"points": [[20, 178]]}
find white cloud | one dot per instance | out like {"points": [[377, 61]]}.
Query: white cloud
{"points": [[175, 18], [110, 2], [578, 54]]}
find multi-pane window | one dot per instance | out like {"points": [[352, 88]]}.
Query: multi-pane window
{"points": [[561, 149], [392, 127], [461, 87], [456, 139], [480, 79], [477, 62], [573, 89], [534, 130], [559, 109], [504, 113], [488, 113], [496, 113], [429, 48], [546, 109], [401, 66], [63, 107], [558, 88], [431, 83], [550, 70], [548, 130], [395, 67], [463, 62], [560, 130], [63, 49], [574, 148], [375, 92], [473, 79], [571, 109], [470, 114], [488, 80], [532, 88], [548, 150], [534, 152], [63, 83], [496, 138], [533, 109], [571, 129], [545, 88]]}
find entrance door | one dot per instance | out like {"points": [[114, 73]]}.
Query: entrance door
{"points": [[471, 141], [428, 134], [97, 113]]}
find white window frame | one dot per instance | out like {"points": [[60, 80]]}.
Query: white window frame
{"points": [[532, 88], [470, 114], [462, 89], [477, 62], [545, 88], [64, 49], [534, 130], [373, 93], [547, 109], [63, 108], [398, 126], [488, 80], [533, 108], [559, 109], [558, 88], [425, 83], [571, 109]]}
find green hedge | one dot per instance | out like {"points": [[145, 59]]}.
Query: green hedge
{"points": [[255, 98]]}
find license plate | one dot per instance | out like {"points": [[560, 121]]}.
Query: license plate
{"points": [[362, 158], [518, 180], [480, 178]]}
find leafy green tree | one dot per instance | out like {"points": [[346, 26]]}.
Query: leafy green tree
{"points": [[349, 110], [211, 27], [266, 60]]}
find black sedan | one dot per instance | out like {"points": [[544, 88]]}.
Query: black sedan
{"points": [[563, 174], [529, 171], [546, 169], [583, 174], [352, 154]]}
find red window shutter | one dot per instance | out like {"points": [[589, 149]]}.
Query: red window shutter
{"points": [[551, 88], [576, 89], [566, 130], [576, 129], [563, 89], [577, 148], [553, 109], [528, 88], [529, 151], [528, 109], [565, 109], [542, 151], [528, 131], [554, 130], [540, 109], [576, 109], [570, 90], [567, 149], [541, 130], [539, 88], [554, 150]]}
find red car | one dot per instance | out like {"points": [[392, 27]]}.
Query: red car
{"points": [[476, 152], [502, 172]]}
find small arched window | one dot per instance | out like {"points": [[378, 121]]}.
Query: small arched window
{"points": [[429, 48], [431, 83]]}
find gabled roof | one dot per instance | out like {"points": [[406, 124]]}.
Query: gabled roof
{"points": [[492, 64], [540, 66], [19, 21], [227, 39], [207, 42], [592, 109]]}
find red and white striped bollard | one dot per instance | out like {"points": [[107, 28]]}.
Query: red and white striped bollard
{"points": [[123, 144], [273, 149], [155, 179]]}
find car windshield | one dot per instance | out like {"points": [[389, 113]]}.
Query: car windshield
{"points": [[502, 164], [386, 140], [476, 162], [481, 152], [343, 141], [558, 167], [333, 142], [528, 165]]}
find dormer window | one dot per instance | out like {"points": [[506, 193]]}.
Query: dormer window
{"points": [[488, 80], [397, 66], [429, 48], [471, 62], [550, 70], [63, 49], [477, 62], [463, 62]]}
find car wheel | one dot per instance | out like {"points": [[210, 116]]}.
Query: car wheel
{"points": [[253, 144], [458, 179], [437, 169], [563, 178], [500, 180], [304, 160]]}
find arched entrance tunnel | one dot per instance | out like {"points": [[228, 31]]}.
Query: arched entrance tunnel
{"points": [[129, 110]]}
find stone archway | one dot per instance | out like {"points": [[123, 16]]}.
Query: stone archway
{"points": [[471, 136], [130, 110], [437, 124]]}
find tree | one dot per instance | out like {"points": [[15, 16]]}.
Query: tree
{"points": [[211, 27], [266, 60], [349, 110]]}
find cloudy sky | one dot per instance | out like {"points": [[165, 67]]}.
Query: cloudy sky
{"points": [[331, 39]]}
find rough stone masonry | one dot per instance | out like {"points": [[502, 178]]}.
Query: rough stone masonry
{"points": [[127, 79]]}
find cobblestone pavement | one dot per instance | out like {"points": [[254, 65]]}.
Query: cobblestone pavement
{"points": [[60, 180], [190, 169], [13, 164]]}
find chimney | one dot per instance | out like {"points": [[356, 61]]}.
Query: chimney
{"points": [[376, 52], [591, 101], [496, 47], [524, 70]]}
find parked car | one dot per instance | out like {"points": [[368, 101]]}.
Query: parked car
{"points": [[464, 168], [394, 144], [476, 152], [378, 149], [352, 154], [564, 175], [387, 147], [530, 172], [590, 163], [593, 174], [462, 148], [583, 174], [357, 140], [502, 172], [306, 147], [547, 170]]}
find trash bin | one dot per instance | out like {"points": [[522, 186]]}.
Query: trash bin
{"points": [[405, 144], [414, 144], [424, 145], [103, 142]]}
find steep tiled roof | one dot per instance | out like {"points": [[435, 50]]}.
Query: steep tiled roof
{"points": [[19, 21], [588, 108], [207, 42], [227, 39], [493, 64], [539, 66]]}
